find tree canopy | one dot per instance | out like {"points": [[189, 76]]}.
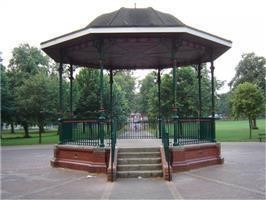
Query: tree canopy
{"points": [[186, 90], [30, 82], [252, 69], [247, 100]]}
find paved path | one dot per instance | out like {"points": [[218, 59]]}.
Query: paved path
{"points": [[26, 174]]}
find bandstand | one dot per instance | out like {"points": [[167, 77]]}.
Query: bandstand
{"points": [[129, 39]]}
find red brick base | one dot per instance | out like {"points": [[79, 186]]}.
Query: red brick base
{"points": [[84, 158], [195, 156], [96, 160], [167, 172]]}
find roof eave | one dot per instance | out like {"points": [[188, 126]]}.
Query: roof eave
{"points": [[112, 30]]}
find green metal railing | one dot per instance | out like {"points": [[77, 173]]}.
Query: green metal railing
{"points": [[85, 132], [181, 131], [139, 130], [191, 130]]}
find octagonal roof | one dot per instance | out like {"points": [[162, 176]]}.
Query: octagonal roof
{"points": [[131, 17], [136, 38]]}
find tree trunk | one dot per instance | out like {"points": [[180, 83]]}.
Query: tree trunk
{"points": [[254, 123], [12, 127], [26, 130], [41, 130], [250, 127], [40, 136]]}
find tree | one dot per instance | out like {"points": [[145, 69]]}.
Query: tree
{"points": [[28, 60], [25, 63], [88, 84], [126, 82], [7, 98], [223, 104], [186, 93], [247, 100], [251, 68], [36, 100], [146, 93]]}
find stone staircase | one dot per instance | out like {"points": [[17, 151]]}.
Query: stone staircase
{"points": [[139, 162]]}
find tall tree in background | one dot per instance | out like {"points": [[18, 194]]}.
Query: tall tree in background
{"points": [[26, 62], [88, 86], [7, 105], [247, 100], [186, 90], [126, 81], [252, 69], [146, 94], [88, 103], [223, 104], [36, 100]]}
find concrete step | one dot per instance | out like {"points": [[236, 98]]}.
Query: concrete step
{"points": [[139, 154], [142, 174], [139, 167], [150, 149], [125, 161]]}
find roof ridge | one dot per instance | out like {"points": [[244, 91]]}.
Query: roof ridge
{"points": [[115, 16], [157, 14]]}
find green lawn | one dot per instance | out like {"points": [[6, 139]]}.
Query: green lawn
{"points": [[225, 131], [50, 137], [237, 130]]}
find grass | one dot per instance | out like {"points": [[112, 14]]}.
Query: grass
{"points": [[226, 131], [237, 130], [8, 139]]}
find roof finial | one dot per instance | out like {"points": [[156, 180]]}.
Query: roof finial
{"points": [[135, 5]]}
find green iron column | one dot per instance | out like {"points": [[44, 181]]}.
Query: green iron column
{"points": [[60, 70], [98, 44], [111, 100], [101, 117], [175, 117], [111, 118], [71, 89], [213, 102], [159, 103], [199, 90], [201, 133], [60, 73]]}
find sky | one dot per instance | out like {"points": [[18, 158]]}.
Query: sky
{"points": [[241, 21]]}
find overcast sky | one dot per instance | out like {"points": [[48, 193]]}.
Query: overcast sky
{"points": [[241, 21]]}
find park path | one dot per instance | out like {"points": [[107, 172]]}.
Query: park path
{"points": [[26, 174]]}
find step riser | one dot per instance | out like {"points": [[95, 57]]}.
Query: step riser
{"points": [[142, 175], [139, 155], [139, 150], [137, 161], [139, 168]]}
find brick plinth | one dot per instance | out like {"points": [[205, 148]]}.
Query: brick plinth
{"points": [[91, 159], [111, 173], [167, 172], [195, 156]]}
